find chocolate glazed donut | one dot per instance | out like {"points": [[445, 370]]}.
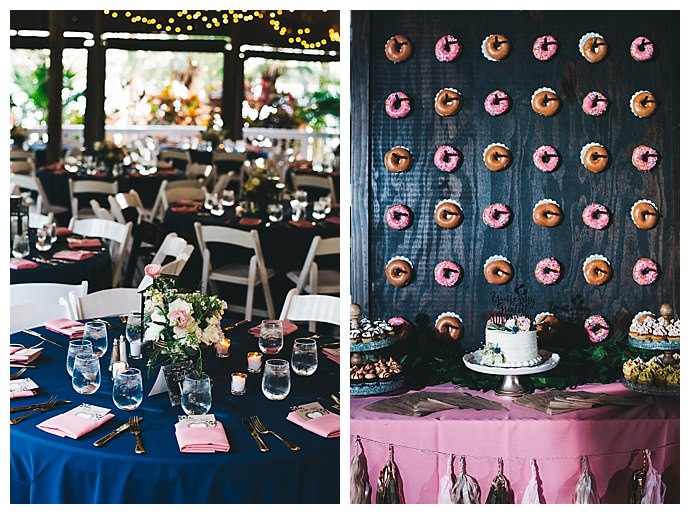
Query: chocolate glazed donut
{"points": [[547, 214], [643, 104], [398, 160], [449, 328], [596, 158], [447, 102], [595, 49], [497, 46], [597, 272], [398, 49], [448, 215], [548, 327], [497, 158], [546, 103], [645, 215], [399, 273], [498, 272]]}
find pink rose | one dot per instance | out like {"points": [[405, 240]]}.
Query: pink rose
{"points": [[153, 270], [178, 319]]}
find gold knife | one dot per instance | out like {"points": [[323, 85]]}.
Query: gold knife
{"points": [[118, 430], [36, 334], [239, 323], [262, 446]]}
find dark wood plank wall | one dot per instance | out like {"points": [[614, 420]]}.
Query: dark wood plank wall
{"points": [[521, 185]]}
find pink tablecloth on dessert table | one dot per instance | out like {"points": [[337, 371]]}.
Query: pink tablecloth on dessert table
{"points": [[557, 442]]}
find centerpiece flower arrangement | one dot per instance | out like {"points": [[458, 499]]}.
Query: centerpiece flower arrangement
{"points": [[513, 324], [259, 187], [18, 134], [108, 152], [213, 136], [179, 324]]}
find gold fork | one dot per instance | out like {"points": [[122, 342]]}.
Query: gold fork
{"points": [[17, 374], [49, 405], [136, 431], [259, 427]]}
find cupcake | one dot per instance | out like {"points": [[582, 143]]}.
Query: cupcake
{"points": [[628, 368], [659, 333], [673, 379], [673, 331], [646, 376]]}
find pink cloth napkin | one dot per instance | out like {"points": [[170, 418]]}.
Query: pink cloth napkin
{"points": [[332, 353], [288, 328], [22, 264], [69, 425], [22, 394], [66, 327], [62, 231], [24, 355], [86, 243], [73, 255], [202, 440], [250, 222], [327, 425]]}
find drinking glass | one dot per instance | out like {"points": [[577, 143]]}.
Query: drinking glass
{"points": [[327, 202], [20, 246], [133, 334], [43, 240], [86, 376], [51, 228], [275, 383], [305, 358], [275, 212], [128, 390], [77, 347], [301, 197], [318, 210], [228, 198], [97, 333], [196, 393], [271, 336]]}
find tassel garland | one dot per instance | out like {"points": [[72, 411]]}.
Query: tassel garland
{"points": [[445, 486], [500, 488], [360, 488], [466, 488], [389, 488], [532, 490], [654, 489], [585, 490]]}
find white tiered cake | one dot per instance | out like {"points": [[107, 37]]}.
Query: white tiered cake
{"points": [[511, 344]]}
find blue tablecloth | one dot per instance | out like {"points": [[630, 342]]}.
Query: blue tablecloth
{"points": [[45, 468]]}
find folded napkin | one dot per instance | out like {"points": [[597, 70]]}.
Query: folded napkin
{"points": [[250, 222], [22, 394], [22, 388], [332, 353], [185, 209], [66, 327], [201, 437], [335, 220], [76, 422], [316, 419], [301, 223], [288, 328], [92, 242], [188, 203], [22, 264], [24, 355], [73, 255], [62, 231]]}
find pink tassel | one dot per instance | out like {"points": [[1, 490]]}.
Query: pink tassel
{"points": [[532, 492], [360, 488], [654, 489], [585, 490], [445, 486], [466, 488]]}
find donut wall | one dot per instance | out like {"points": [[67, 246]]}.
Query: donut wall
{"points": [[472, 115]]}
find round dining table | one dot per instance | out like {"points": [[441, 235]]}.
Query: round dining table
{"points": [[45, 468]]}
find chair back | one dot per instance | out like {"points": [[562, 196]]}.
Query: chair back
{"points": [[170, 192], [311, 307], [29, 315], [313, 180], [173, 267], [22, 167], [89, 187], [205, 173], [49, 293], [174, 156], [21, 155], [123, 201], [222, 183], [109, 302], [318, 247], [100, 212], [33, 183], [226, 235], [37, 220]]}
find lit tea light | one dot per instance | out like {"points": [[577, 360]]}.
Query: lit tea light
{"points": [[238, 383], [222, 348], [254, 362]]}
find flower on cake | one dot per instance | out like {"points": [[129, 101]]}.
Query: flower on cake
{"points": [[513, 324], [491, 355]]}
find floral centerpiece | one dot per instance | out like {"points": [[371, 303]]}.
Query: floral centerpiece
{"points": [[179, 324], [213, 136], [18, 134], [108, 152], [259, 188]]}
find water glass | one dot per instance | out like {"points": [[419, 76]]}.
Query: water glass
{"points": [[196, 393], [97, 333], [133, 334], [318, 210], [86, 376], [43, 240], [275, 383], [275, 212], [228, 198], [128, 390], [20, 246], [51, 228], [301, 197], [327, 202], [271, 336], [77, 347], [305, 358]]}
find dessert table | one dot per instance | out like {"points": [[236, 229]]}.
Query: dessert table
{"points": [[612, 437], [45, 468]]}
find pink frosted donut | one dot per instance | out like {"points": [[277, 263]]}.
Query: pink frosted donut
{"points": [[398, 217], [546, 158], [644, 158], [595, 103], [596, 216], [497, 102], [597, 328], [403, 328], [447, 158], [447, 273], [641, 49], [547, 271], [497, 215], [398, 105], [545, 47], [645, 272], [447, 48]]}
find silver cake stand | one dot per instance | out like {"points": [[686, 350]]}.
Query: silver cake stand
{"points": [[511, 386]]}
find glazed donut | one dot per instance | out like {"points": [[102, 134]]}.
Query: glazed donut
{"points": [[645, 272], [545, 101], [641, 49], [546, 158], [547, 271], [398, 159], [496, 47], [594, 157], [447, 101], [498, 270], [398, 217], [399, 49], [447, 158], [547, 213], [449, 327], [597, 328], [597, 270], [545, 47], [548, 325], [448, 214], [643, 104], [645, 214], [399, 271], [398, 105], [403, 328], [497, 157], [643, 315], [593, 47], [447, 273], [497, 215], [595, 103], [596, 216], [644, 158], [497, 102], [447, 48]]}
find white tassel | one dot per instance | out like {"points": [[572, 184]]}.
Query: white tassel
{"points": [[584, 490], [466, 488], [360, 488], [445, 486], [654, 489], [532, 490]]}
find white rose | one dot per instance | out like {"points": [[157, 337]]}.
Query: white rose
{"points": [[180, 305], [510, 323], [157, 317], [211, 334], [153, 331]]}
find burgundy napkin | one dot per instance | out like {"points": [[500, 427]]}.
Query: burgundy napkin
{"points": [[188, 203], [76, 422], [63, 231], [316, 419], [73, 255], [335, 220], [66, 327], [288, 328], [22, 264], [301, 223], [24, 355], [202, 439], [92, 242], [185, 209], [250, 222]]}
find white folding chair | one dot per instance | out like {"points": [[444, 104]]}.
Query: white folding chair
{"points": [[21, 155], [312, 308], [33, 183], [122, 201], [29, 315], [313, 280], [170, 192], [22, 167], [109, 302], [229, 163], [222, 183], [100, 212], [173, 268], [37, 220], [204, 173], [88, 187], [251, 275], [314, 180], [174, 156], [49, 293]]}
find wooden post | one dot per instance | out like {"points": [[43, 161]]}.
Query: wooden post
{"points": [[233, 92], [94, 118], [56, 43]]}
